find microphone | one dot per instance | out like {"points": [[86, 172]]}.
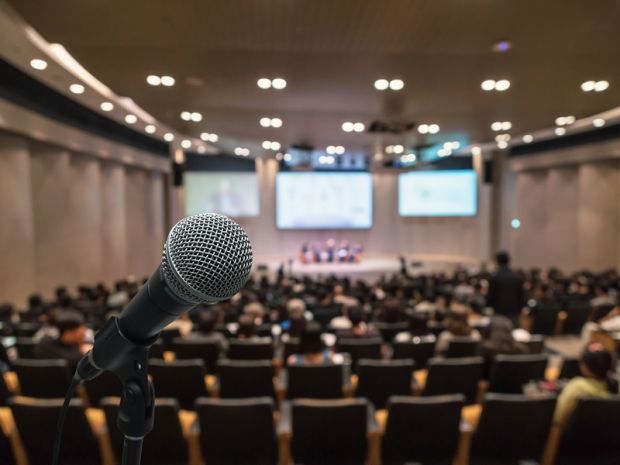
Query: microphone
{"points": [[206, 258]]}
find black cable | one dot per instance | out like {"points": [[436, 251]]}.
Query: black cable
{"points": [[132, 451], [61, 420]]}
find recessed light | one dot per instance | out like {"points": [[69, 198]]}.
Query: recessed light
{"points": [[38, 64], [398, 149], [476, 150], [598, 122], [504, 137], [340, 149], [528, 138], [267, 144], [276, 122], [150, 129], [265, 122], [560, 131], [488, 85], [397, 84], [433, 128], [186, 143], [196, 117], [242, 151], [423, 128], [596, 86], [275, 145], [502, 46], [515, 223], [131, 119], [168, 137], [564, 120], [167, 81], [496, 126], [186, 116], [443, 152], [288, 157], [359, 127], [588, 86], [348, 126], [106, 106], [278, 83], [502, 85], [213, 138], [502, 144], [331, 149], [600, 86], [381, 84], [153, 80], [264, 83], [77, 88]]}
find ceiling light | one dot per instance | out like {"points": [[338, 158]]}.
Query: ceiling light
{"points": [[76, 88], [267, 144], [242, 151], [504, 137], [359, 127], [588, 86], [564, 120], [347, 126], [131, 119], [265, 122], [423, 128], [502, 46], [515, 223], [389, 149], [496, 126], [153, 80], [502, 144], [150, 129], [502, 85], [168, 137], [186, 116], [288, 157], [186, 143], [275, 145], [279, 156], [264, 83], [569, 119], [528, 138], [381, 84], [331, 149], [433, 128], [600, 86], [443, 152], [340, 149], [38, 64], [196, 117], [276, 122], [106, 106], [397, 84], [398, 149], [476, 150], [213, 138], [560, 131], [201, 149], [167, 81], [598, 122], [205, 136], [488, 85], [278, 83], [506, 125]]}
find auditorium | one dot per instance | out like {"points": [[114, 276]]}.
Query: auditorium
{"points": [[312, 232]]}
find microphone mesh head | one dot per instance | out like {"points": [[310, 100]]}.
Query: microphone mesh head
{"points": [[207, 257]]}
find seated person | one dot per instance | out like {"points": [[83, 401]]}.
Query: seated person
{"points": [[359, 328], [418, 326], [256, 310], [311, 347], [296, 319], [456, 323], [391, 311], [247, 329], [69, 345], [499, 340], [609, 322], [206, 330], [596, 366], [183, 324]]}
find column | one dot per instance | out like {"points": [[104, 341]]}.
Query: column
{"points": [[113, 224]]}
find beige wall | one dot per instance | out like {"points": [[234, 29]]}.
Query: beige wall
{"points": [[69, 218]]}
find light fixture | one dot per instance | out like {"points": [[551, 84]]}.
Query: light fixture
{"points": [[131, 119], [347, 126], [488, 85], [502, 46], [186, 116], [560, 131], [153, 80], [288, 157], [433, 128], [596, 86], [502, 85], [515, 223], [167, 81], [265, 122], [496, 126], [340, 149], [423, 128], [278, 83], [397, 84], [267, 144], [77, 89], [38, 64], [201, 149], [501, 126], [242, 151], [359, 127], [443, 152], [502, 144], [381, 84], [276, 122], [408, 158], [168, 137], [528, 138], [264, 83], [504, 137], [588, 86], [600, 86], [279, 156], [213, 138], [207, 137], [564, 120], [186, 144], [106, 106], [491, 84], [476, 150], [398, 149], [598, 122], [331, 149], [150, 129], [196, 117]]}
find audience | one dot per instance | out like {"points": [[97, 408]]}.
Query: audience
{"points": [[456, 325], [311, 347], [70, 344], [359, 329], [499, 340]]}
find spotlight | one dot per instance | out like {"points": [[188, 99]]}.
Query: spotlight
{"points": [[381, 84]]}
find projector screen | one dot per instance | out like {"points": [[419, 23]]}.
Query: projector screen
{"points": [[230, 193], [437, 193], [323, 200]]}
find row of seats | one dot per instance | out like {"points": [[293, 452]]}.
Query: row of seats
{"points": [[436, 430], [376, 379]]}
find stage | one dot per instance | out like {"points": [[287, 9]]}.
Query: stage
{"points": [[369, 269]]}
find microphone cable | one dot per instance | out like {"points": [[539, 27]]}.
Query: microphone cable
{"points": [[61, 419]]}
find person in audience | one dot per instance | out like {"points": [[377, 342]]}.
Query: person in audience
{"points": [[256, 310], [207, 323], [596, 366], [311, 347], [417, 327], [183, 324], [506, 294], [359, 328], [391, 311], [602, 297], [70, 344], [456, 323], [609, 322], [296, 319], [499, 340]]}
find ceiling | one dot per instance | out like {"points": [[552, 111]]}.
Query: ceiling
{"points": [[331, 52]]}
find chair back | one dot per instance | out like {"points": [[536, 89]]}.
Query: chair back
{"points": [[360, 348], [241, 349], [509, 373], [454, 376], [570, 368], [183, 380], [240, 379], [545, 319], [578, 312], [315, 381], [380, 379], [536, 344], [106, 384], [422, 429], [25, 347], [26, 330], [205, 349], [460, 347], [48, 379], [419, 349], [390, 330]]}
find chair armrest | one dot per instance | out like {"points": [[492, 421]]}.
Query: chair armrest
{"points": [[285, 427], [372, 426]]}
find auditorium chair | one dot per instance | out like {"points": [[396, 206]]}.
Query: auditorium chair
{"points": [[380, 379], [360, 348], [164, 445], [422, 430], [237, 431], [290, 347], [536, 344], [36, 421], [5, 393], [314, 381], [570, 368], [183, 380], [25, 347], [5, 362], [390, 330], [592, 434], [169, 335], [509, 373], [460, 347], [325, 315], [240, 379], [419, 349], [328, 432], [205, 348], [578, 312], [512, 429], [241, 349], [6, 450], [454, 376], [545, 319], [157, 349], [106, 384], [47, 379], [26, 330]]}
